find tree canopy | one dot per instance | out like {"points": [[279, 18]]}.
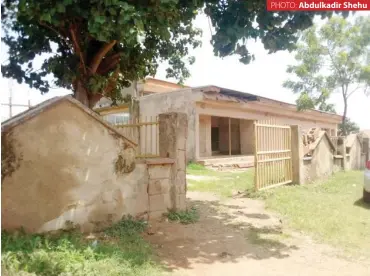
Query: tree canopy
{"points": [[97, 47], [332, 58]]}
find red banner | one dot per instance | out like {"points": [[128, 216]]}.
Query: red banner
{"points": [[317, 5]]}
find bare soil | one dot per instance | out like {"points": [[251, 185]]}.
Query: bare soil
{"points": [[239, 237]]}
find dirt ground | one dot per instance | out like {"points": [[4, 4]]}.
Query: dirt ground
{"points": [[239, 237]]}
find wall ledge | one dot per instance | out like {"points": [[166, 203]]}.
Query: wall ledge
{"points": [[338, 156], [156, 161]]}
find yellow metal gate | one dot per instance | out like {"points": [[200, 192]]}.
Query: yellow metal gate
{"points": [[273, 155]]}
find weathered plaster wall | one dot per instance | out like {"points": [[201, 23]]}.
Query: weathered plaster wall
{"points": [[63, 166], [321, 165], [177, 101], [247, 137], [205, 148], [355, 158], [69, 167]]}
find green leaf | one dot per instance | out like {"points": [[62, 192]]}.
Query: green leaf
{"points": [[61, 8], [46, 17], [100, 19]]}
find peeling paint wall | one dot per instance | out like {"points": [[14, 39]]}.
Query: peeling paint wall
{"points": [[321, 165], [65, 166]]}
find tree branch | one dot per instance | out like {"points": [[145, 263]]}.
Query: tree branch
{"points": [[77, 47], [353, 91], [100, 55], [109, 67], [108, 63], [112, 83]]}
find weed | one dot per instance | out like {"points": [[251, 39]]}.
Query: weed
{"points": [[185, 217], [119, 250], [196, 167]]}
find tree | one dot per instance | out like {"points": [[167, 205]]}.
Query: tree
{"points": [[332, 58], [96, 47], [348, 127]]}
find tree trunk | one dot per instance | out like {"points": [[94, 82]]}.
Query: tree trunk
{"points": [[86, 98], [345, 100], [81, 94]]}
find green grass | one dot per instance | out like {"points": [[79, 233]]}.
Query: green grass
{"points": [[221, 183], [331, 211], [119, 250], [185, 217]]}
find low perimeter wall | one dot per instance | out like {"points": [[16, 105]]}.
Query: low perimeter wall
{"points": [[322, 163], [70, 170]]}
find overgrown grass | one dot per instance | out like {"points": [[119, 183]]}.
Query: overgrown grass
{"points": [[185, 217], [331, 211], [120, 250], [221, 183]]}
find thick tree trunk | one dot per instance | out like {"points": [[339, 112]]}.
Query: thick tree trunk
{"points": [[86, 98], [81, 94]]}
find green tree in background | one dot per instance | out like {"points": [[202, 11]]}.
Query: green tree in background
{"points": [[332, 58], [348, 127], [96, 47]]}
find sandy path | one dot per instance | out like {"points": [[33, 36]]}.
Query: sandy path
{"points": [[239, 237]]}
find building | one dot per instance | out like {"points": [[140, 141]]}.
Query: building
{"points": [[221, 121]]}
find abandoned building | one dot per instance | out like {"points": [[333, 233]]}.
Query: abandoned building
{"points": [[220, 120]]}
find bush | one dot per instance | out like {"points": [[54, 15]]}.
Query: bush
{"points": [[185, 217], [119, 250]]}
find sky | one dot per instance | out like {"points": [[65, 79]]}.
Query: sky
{"points": [[264, 76]]}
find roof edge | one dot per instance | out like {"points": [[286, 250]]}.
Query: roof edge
{"points": [[318, 140]]}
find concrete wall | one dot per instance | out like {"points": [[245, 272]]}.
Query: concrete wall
{"points": [[224, 111], [205, 148], [321, 164], [247, 137], [355, 158], [65, 166], [68, 166], [177, 101]]}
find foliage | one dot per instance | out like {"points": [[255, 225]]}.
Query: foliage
{"points": [[121, 252], [332, 58], [330, 210], [185, 217], [348, 127], [222, 183], [97, 47]]}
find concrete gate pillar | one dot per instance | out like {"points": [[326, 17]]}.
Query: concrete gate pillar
{"points": [[173, 128]]}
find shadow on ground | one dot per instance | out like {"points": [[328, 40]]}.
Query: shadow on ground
{"points": [[361, 203], [224, 233]]}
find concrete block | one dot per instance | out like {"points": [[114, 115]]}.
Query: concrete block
{"points": [[159, 171], [181, 160], [159, 202], [159, 186], [155, 215], [180, 202], [180, 182]]}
